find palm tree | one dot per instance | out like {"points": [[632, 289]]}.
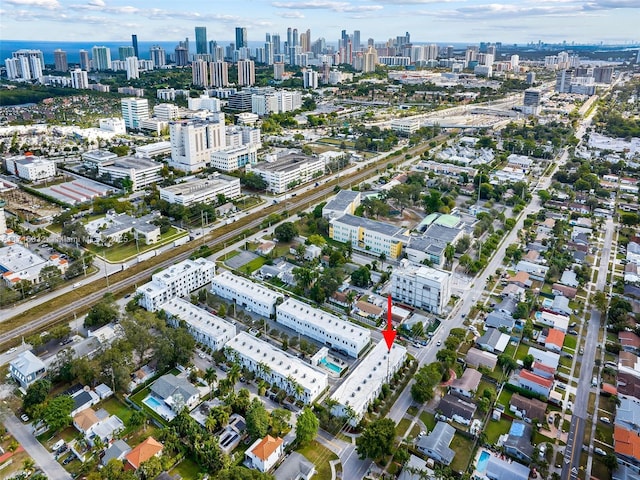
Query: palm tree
{"points": [[351, 296], [28, 464], [211, 424], [382, 257], [234, 374], [210, 376]]}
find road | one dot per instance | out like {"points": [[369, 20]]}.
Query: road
{"points": [[22, 433], [571, 464]]}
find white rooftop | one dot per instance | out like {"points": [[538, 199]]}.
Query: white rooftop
{"points": [[281, 363], [16, 258], [206, 322], [171, 274], [370, 372], [246, 287], [331, 324]]}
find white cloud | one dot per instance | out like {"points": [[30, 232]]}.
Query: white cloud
{"points": [[294, 14], [97, 3], [327, 5], [34, 3]]}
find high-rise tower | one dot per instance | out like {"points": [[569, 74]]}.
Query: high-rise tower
{"points": [[201, 40], [134, 42], [241, 37], [60, 60]]}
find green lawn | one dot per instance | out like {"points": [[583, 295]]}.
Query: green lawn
{"points": [[505, 398], [604, 433], [320, 457], [187, 469], [402, 427], [522, 351], [570, 341], [254, 264], [464, 452], [510, 350], [428, 419], [118, 408], [494, 429], [124, 251]]}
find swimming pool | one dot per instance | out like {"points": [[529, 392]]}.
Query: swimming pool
{"points": [[152, 403], [481, 466], [331, 366], [547, 303], [159, 407]]}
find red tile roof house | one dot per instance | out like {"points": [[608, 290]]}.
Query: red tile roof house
{"points": [[554, 340], [535, 383], [143, 452]]}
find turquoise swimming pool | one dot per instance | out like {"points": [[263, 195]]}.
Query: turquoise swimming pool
{"points": [[152, 403], [481, 466], [331, 366]]}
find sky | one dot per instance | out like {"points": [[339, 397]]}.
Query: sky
{"points": [[508, 21]]}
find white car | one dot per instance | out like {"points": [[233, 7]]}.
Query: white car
{"points": [[438, 343], [12, 349]]}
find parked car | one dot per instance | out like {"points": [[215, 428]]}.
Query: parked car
{"points": [[600, 451], [438, 343], [572, 332], [24, 417], [605, 420]]}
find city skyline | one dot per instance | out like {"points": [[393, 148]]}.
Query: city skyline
{"points": [[508, 21]]}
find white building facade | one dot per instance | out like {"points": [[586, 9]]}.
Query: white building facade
{"points": [[31, 168], [251, 296], [288, 172], [202, 190], [194, 141], [421, 286]]}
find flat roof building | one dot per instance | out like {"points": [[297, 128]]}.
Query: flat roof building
{"points": [[201, 190], [346, 201], [296, 377], [368, 235], [364, 383], [421, 286], [324, 327], [31, 168], [141, 171], [288, 171], [246, 294], [206, 328], [178, 280], [19, 263]]}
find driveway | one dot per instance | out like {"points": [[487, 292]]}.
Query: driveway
{"points": [[22, 433]]}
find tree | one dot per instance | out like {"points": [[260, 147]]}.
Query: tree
{"points": [[57, 412], [600, 301], [507, 363], [279, 421], [257, 419], [527, 361], [449, 253], [254, 181], [151, 468], [36, 395], [361, 277], [101, 314], [306, 427], [51, 275], [425, 380], [376, 439], [285, 232], [210, 376], [610, 461]]}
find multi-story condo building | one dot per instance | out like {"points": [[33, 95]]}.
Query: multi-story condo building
{"points": [[310, 78], [279, 368], [101, 58], [158, 56], [85, 63], [219, 74], [178, 280], [324, 327], [288, 171], [193, 142], [134, 111], [25, 65], [141, 171], [368, 235], [246, 73], [131, 66], [204, 102], [206, 328], [79, 79], [233, 158], [265, 101], [29, 167], [200, 73], [60, 60], [246, 294], [364, 383], [201, 190], [421, 286], [166, 112]]}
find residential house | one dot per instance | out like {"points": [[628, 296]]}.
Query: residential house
{"points": [[478, 358], [106, 429], [264, 453], [265, 248], [554, 340], [529, 409], [508, 305], [521, 279], [579, 257], [175, 392], [535, 271], [569, 279], [456, 409], [499, 469], [547, 358], [628, 384], [542, 370], [230, 437], [628, 414], [467, 384], [624, 472], [500, 320], [627, 447], [561, 305], [116, 451], [553, 320], [415, 469], [436, 444], [493, 341], [295, 467], [83, 399], [569, 292], [26, 368], [518, 443], [85, 420], [533, 256], [513, 291], [630, 342], [147, 449], [535, 383], [580, 239]]}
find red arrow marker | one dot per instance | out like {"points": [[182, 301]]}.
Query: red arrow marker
{"points": [[389, 334]]}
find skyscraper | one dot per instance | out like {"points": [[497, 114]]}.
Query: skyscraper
{"points": [[134, 42], [370, 60], [277, 48], [246, 73], [201, 40], [84, 60], [101, 58], [310, 78], [126, 52], [60, 60], [241, 37], [200, 73], [158, 56], [356, 40], [25, 64], [79, 79], [182, 55], [131, 66], [219, 72], [134, 110]]}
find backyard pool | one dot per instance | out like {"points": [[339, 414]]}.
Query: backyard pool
{"points": [[158, 407], [481, 466], [547, 303], [331, 366]]}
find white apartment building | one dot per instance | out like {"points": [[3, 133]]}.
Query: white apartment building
{"points": [[204, 102], [421, 286], [279, 368], [346, 201], [29, 167], [368, 235], [266, 101], [166, 112], [324, 327], [206, 328], [251, 296], [152, 150], [132, 67], [310, 78], [288, 171], [405, 126], [243, 135], [202, 190], [134, 111], [115, 125], [141, 171], [364, 383], [193, 142], [246, 73], [233, 158], [178, 280], [79, 79]]}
